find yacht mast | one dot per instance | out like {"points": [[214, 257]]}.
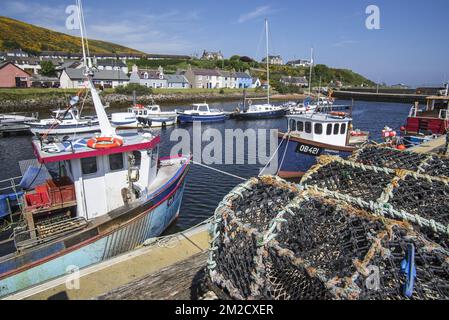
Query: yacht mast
{"points": [[268, 63], [105, 126], [310, 71]]}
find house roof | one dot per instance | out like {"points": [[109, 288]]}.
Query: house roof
{"points": [[255, 80], [175, 78], [23, 60], [206, 72], [5, 63], [225, 73], [78, 74], [111, 63], [299, 61], [243, 75], [152, 74]]}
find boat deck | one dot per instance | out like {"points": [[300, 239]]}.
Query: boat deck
{"points": [[153, 259]]}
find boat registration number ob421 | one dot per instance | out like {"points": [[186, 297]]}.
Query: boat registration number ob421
{"points": [[307, 149]]}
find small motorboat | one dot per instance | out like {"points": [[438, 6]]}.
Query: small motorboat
{"points": [[261, 111], [201, 112], [64, 122], [129, 120], [17, 118]]}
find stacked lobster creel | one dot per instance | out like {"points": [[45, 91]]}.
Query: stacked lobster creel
{"points": [[341, 237]]}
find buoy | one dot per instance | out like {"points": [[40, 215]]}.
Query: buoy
{"points": [[403, 128], [104, 143], [401, 147]]}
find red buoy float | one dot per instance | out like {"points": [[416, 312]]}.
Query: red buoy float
{"points": [[104, 143], [401, 147]]}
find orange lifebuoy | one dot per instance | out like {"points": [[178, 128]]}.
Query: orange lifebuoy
{"points": [[338, 114], [104, 143]]}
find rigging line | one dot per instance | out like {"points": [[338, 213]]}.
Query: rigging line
{"points": [[274, 154], [283, 156], [218, 170]]}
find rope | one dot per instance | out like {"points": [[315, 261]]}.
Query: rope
{"points": [[274, 154], [218, 170]]}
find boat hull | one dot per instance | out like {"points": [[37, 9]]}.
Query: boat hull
{"points": [[296, 156], [187, 118], [260, 115], [96, 244], [65, 129]]}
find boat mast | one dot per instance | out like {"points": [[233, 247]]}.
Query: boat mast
{"points": [[310, 71], [105, 126], [268, 62]]}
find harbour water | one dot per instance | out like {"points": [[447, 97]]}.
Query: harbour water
{"points": [[206, 188]]}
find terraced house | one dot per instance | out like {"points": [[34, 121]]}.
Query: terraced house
{"points": [[244, 80], [228, 79], [203, 78]]}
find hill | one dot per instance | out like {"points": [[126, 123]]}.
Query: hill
{"points": [[16, 34]]}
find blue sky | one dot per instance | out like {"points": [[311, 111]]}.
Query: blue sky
{"points": [[410, 47]]}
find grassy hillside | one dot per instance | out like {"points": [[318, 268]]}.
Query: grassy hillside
{"points": [[16, 34], [327, 74]]}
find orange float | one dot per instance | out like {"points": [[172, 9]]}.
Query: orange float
{"points": [[104, 143]]}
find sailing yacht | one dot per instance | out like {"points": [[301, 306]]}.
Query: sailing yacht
{"points": [[108, 195], [261, 111]]}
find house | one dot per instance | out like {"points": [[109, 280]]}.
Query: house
{"points": [[2, 55], [110, 64], [255, 83], [209, 55], [273, 60], [18, 53], [228, 79], [148, 78], [244, 80], [203, 78], [40, 81], [54, 55], [166, 56], [28, 64], [294, 81], [299, 63], [105, 56], [75, 78], [11, 76], [130, 56], [176, 81]]}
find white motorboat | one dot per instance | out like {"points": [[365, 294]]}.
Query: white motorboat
{"points": [[64, 122]]}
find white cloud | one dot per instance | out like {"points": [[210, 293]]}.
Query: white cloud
{"points": [[256, 13]]}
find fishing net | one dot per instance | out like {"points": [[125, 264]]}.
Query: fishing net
{"points": [[383, 156], [310, 245], [399, 194]]}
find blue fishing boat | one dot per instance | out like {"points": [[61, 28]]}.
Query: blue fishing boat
{"points": [[89, 199], [311, 135], [202, 113]]}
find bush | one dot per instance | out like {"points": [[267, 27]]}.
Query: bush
{"points": [[221, 91], [283, 89], [128, 90]]}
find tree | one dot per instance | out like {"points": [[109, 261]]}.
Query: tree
{"points": [[48, 69]]}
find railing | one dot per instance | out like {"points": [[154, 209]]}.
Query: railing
{"points": [[9, 184], [26, 238]]}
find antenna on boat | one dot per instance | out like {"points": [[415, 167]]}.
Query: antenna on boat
{"points": [[105, 126], [268, 62], [310, 71]]}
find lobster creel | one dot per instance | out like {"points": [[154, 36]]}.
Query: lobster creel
{"points": [[275, 240]]}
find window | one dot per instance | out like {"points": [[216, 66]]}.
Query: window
{"points": [[300, 126], [318, 128], [343, 128], [336, 128], [292, 125], [89, 165], [329, 129], [308, 127], [137, 158], [116, 161]]}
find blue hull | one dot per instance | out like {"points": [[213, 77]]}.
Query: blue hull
{"points": [[296, 157], [182, 118], [94, 245], [260, 115]]}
